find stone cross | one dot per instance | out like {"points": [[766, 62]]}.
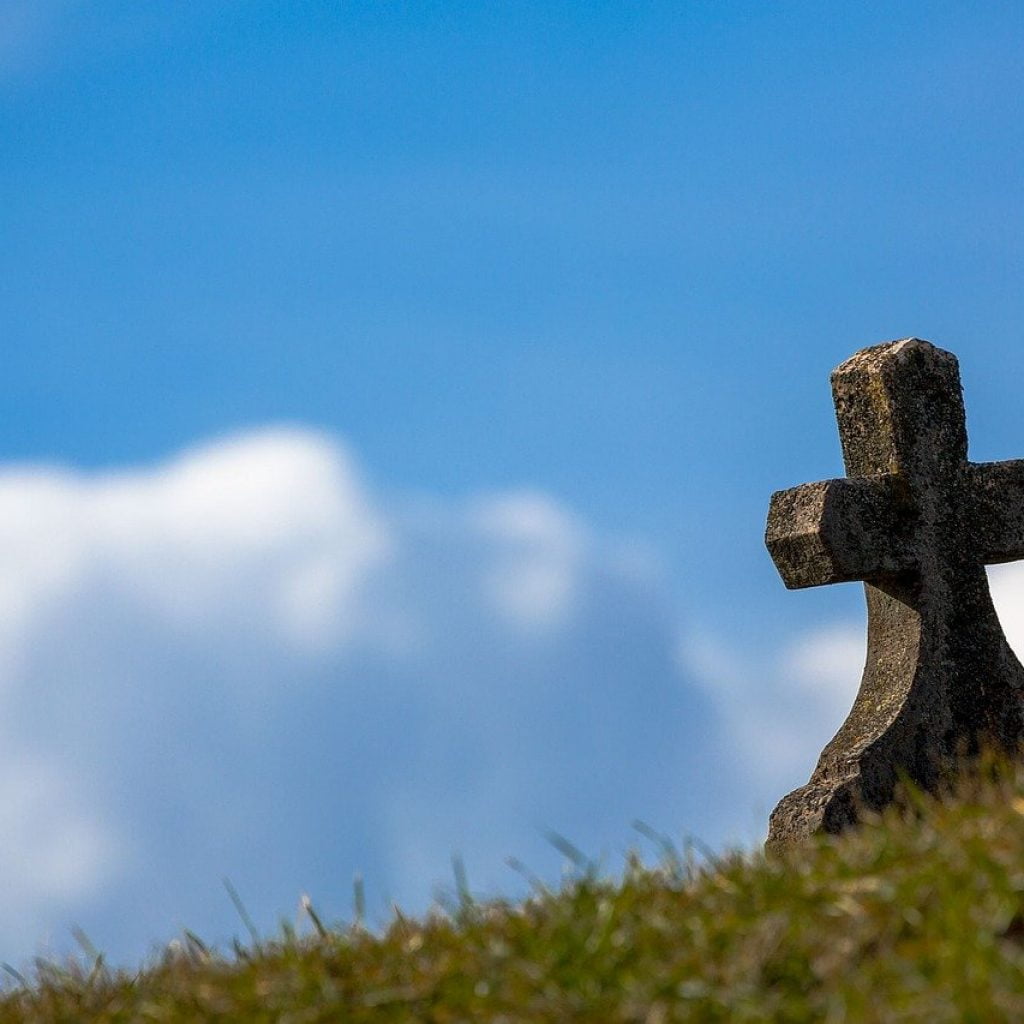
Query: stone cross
{"points": [[917, 523]]}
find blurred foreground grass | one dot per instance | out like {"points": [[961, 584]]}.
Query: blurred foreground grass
{"points": [[916, 916]]}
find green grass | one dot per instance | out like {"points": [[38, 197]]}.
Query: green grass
{"points": [[917, 916]]}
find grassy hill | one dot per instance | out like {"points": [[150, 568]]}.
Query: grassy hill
{"points": [[917, 916]]}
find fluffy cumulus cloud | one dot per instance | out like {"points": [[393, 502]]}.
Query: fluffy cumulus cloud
{"points": [[778, 706], [246, 662], [133, 603]]}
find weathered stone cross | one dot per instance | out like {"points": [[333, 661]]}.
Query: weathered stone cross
{"points": [[917, 523]]}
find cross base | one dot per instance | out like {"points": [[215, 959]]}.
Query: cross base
{"points": [[923, 706]]}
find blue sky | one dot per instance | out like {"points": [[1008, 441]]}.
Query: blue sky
{"points": [[392, 397]]}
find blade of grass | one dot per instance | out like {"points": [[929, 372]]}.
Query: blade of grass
{"points": [[242, 912], [307, 906], [358, 901]]}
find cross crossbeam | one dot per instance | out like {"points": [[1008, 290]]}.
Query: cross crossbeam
{"points": [[917, 522]]}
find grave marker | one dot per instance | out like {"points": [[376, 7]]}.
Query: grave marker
{"points": [[917, 523]]}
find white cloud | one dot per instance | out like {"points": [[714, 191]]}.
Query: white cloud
{"points": [[55, 849], [1007, 585], [826, 663], [779, 706], [265, 539], [252, 665], [252, 550], [270, 529], [539, 550], [41, 811]]}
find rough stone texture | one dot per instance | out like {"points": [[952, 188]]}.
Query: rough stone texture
{"points": [[917, 523]]}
